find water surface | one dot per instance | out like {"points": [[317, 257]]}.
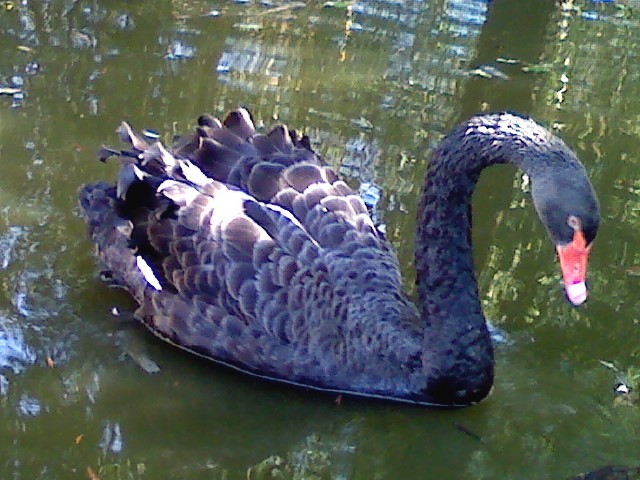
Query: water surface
{"points": [[375, 84]]}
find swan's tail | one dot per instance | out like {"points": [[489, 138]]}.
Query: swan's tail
{"points": [[111, 234]]}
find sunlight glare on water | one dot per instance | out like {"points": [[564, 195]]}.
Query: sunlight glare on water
{"points": [[375, 84]]}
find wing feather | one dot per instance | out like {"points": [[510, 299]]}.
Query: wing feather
{"points": [[253, 240]]}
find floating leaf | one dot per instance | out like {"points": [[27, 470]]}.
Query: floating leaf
{"points": [[478, 72], [609, 365], [151, 134], [145, 362], [336, 117], [508, 61], [282, 8], [489, 71], [340, 4], [633, 271], [9, 91], [91, 474], [362, 123], [248, 27], [538, 68]]}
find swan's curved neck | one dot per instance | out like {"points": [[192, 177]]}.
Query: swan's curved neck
{"points": [[462, 356]]}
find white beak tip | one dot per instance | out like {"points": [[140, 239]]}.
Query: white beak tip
{"points": [[577, 293]]}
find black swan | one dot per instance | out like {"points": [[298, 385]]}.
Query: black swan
{"points": [[247, 249]]}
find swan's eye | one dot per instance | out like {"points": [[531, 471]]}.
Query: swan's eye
{"points": [[574, 222]]}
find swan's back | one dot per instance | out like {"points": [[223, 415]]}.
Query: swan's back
{"points": [[247, 249]]}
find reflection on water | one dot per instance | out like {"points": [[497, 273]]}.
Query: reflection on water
{"points": [[15, 353], [375, 83]]}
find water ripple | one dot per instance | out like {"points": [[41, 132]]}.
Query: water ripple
{"points": [[8, 243], [29, 406], [112, 438], [15, 353]]}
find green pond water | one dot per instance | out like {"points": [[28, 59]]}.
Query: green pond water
{"points": [[375, 84]]}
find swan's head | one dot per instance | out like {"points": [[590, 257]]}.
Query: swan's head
{"points": [[568, 208]]}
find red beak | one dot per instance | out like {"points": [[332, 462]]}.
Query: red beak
{"points": [[573, 263]]}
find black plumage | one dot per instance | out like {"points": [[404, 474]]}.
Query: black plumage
{"points": [[247, 249]]}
